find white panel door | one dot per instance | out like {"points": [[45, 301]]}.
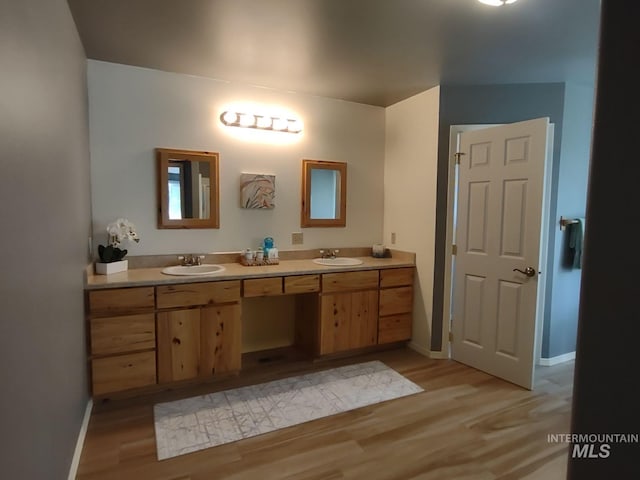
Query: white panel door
{"points": [[500, 193]]}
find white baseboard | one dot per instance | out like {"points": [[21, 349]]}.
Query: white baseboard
{"points": [[426, 352], [549, 362], [417, 348], [73, 470], [439, 355]]}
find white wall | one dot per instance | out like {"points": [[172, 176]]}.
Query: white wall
{"points": [[134, 110], [410, 174]]}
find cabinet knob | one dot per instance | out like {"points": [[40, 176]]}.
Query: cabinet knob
{"points": [[176, 341]]}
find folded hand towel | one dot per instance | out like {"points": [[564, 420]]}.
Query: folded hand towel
{"points": [[573, 246]]}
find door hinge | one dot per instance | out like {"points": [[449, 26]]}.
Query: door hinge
{"points": [[457, 156], [454, 249], [451, 336]]}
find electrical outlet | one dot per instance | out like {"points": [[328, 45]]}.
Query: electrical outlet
{"points": [[393, 238], [297, 238]]}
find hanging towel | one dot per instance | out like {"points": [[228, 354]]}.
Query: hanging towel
{"points": [[574, 242]]}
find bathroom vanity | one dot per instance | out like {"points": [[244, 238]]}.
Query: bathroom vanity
{"points": [[148, 330]]}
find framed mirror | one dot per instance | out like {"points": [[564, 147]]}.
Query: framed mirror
{"points": [[188, 189], [324, 194]]}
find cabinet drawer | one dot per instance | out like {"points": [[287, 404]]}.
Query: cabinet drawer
{"points": [[342, 282], [121, 300], [263, 287], [396, 300], [122, 372], [394, 328], [302, 284], [190, 294], [122, 334], [396, 277]]}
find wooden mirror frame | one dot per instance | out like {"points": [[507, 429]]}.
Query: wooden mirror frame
{"points": [[163, 156], [306, 220]]}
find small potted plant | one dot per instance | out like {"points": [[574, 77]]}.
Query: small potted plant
{"points": [[111, 256]]}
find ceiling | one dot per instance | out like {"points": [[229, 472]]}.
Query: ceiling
{"points": [[370, 51]]}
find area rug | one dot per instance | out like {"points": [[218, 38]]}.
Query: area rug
{"points": [[192, 424]]}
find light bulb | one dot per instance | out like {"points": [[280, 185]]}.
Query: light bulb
{"points": [[295, 126], [264, 122], [229, 117], [247, 120], [280, 123]]}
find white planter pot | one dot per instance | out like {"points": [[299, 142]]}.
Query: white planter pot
{"points": [[113, 267]]}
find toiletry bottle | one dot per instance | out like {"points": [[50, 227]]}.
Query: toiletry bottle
{"points": [[259, 255], [267, 244], [248, 255]]}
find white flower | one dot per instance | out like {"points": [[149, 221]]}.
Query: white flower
{"points": [[120, 230]]}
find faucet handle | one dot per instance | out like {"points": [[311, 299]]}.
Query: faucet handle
{"points": [[321, 253], [198, 259], [187, 260], [336, 252]]}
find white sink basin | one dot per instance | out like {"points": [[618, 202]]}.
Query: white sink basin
{"points": [[205, 269], [337, 262]]}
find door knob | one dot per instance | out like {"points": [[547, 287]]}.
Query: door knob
{"points": [[529, 271]]}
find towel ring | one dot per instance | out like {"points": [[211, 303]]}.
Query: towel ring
{"points": [[566, 221]]}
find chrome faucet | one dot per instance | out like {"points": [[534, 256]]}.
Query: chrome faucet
{"points": [[330, 253], [190, 260]]}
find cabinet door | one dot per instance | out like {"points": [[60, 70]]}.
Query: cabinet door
{"points": [[346, 281], [394, 328], [178, 349], [335, 310], [195, 294], [348, 321], [363, 327], [198, 342], [113, 335], [394, 301], [122, 372], [262, 287], [121, 300], [396, 277], [220, 340]]}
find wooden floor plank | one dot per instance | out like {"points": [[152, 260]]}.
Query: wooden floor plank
{"points": [[465, 425]]}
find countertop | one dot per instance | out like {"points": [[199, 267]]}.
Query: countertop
{"points": [[235, 271]]}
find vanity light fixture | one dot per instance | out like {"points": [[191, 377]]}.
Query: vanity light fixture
{"points": [[497, 3], [261, 122]]}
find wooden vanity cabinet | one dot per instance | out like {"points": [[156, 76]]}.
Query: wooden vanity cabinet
{"points": [[144, 336], [122, 339], [396, 305], [348, 317], [199, 332]]}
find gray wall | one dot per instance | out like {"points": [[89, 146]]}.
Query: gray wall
{"points": [[489, 104], [561, 309], [605, 388], [45, 216]]}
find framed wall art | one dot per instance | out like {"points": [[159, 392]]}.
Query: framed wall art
{"points": [[257, 191]]}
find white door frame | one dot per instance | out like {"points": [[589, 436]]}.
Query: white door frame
{"points": [[454, 131]]}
